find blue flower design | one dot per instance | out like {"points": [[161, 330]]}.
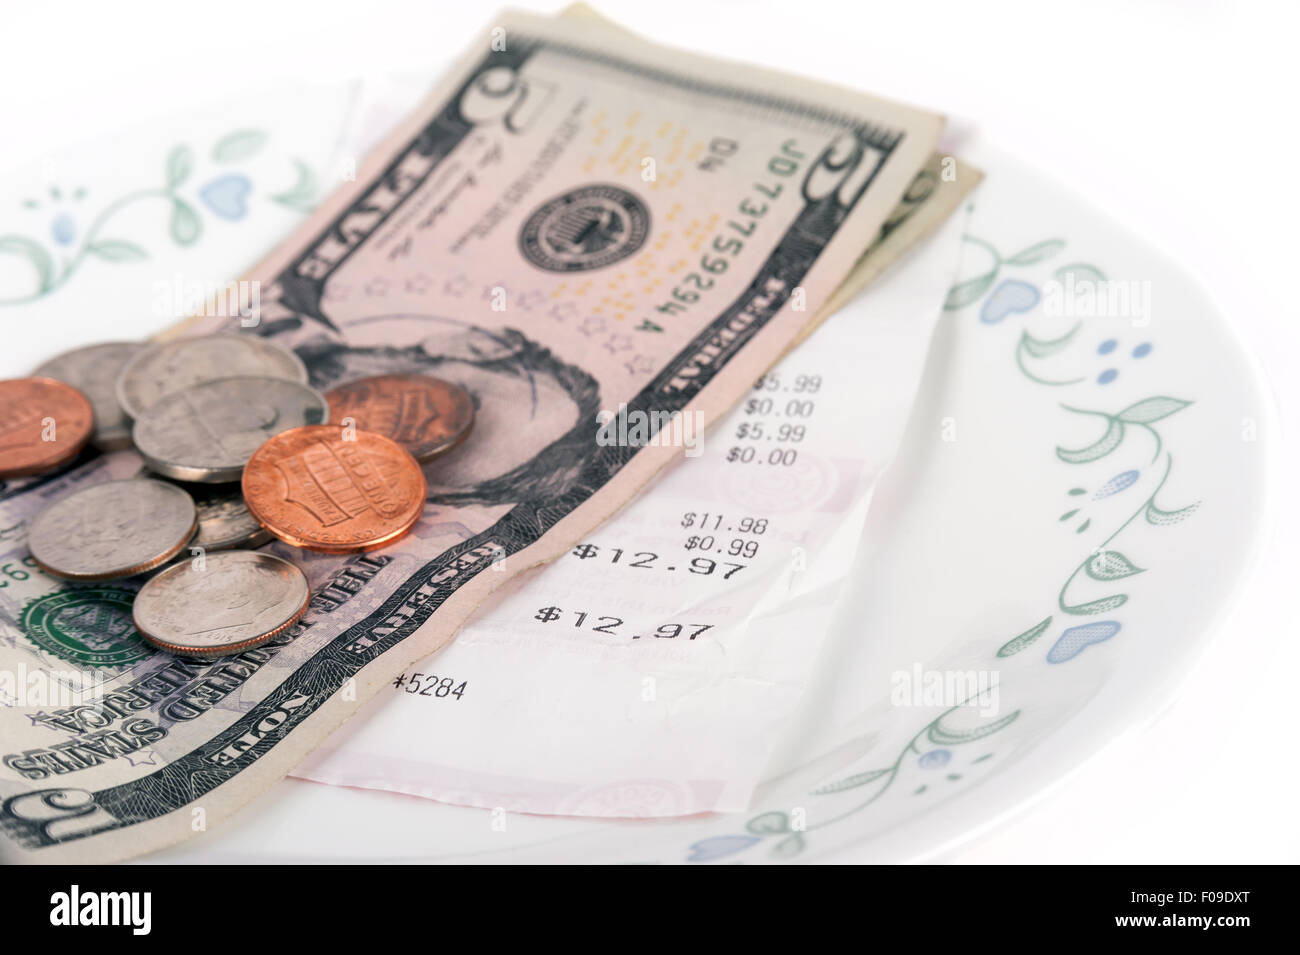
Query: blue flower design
{"points": [[227, 196], [715, 847], [63, 229], [935, 759], [1119, 482], [1077, 639], [1009, 298]]}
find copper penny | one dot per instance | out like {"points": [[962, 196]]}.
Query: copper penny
{"points": [[44, 424], [425, 415], [328, 488]]}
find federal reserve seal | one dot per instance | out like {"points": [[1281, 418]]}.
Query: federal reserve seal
{"points": [[588, 228], [90, 626]]}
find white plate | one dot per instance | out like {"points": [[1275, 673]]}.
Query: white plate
{"points": [[973, 539], [1075, 505]]}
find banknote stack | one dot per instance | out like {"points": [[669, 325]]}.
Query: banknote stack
{"points": [[583, 232]]}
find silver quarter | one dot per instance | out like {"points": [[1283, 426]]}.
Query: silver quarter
{"points": [[170, 366], [207, 432], [114, 529], [223, 604], [93, 371]]}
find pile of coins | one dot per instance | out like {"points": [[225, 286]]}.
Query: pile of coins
{"points": [[238, 450]]}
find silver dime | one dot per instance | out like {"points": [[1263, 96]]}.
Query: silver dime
{"points": [[208, 431], [170, 366], [222, 604], [93, 371], [224, 520], [114, 529]]}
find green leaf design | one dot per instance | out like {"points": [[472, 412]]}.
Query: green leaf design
{"points": [[1016, 644], [851, 782], [1110, 565], [240, 144], [185, 225], [789, 847], [1036, 252], [302, 194], [1152, 409], [1081, 271], [1108, 443], [963, 293], [179, 164], [942, 736], [1096, 606], [768, 824], [35, 253], [1043, 347], [117, 250], [1161, 518]]}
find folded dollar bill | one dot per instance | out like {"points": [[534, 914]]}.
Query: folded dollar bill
{"points": [[591, 234]]}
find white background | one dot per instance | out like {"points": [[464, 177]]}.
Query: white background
{"points": [[1176, 118]]}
